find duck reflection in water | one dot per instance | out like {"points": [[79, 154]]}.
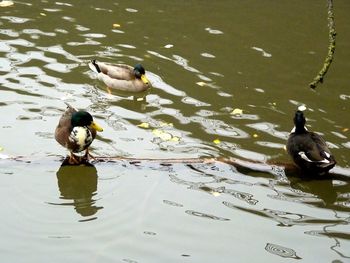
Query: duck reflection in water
{"points": [[79, 184]]}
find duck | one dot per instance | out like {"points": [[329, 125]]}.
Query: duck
{"points": [[75, 131], [308, 149], [121, 77]]}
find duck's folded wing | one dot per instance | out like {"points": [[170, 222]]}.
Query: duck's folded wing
{"points": [[118, 71], [119, 84], [322, 146]]}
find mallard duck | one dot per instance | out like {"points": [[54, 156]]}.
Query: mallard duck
{"points": [[120, 76], [75, 131], [308, 149]]}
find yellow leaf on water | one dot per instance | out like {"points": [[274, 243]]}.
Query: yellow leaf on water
{"points": [[161, 134], [156, 132], [345, 129], [201, 83], [144, 125], [217, 141], [116, 25], [166, 136], [163, 124], [175, 139], [6, 3], [237, 112], [255, 135]]}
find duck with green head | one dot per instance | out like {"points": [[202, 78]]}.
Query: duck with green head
{"points": [[308, 149], [121, 77], [75, 131]]}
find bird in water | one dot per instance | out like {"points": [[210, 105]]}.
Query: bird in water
{"points": [[308, 150], [75, 131], [121, 77]]}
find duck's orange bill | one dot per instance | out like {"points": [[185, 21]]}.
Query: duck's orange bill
{"points": [[96, 127], [144, 79]]}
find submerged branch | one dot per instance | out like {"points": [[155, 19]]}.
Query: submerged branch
{"points": [[243, 166], [331, 47]]}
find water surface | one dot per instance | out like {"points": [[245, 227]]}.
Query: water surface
{"points": [[204, 59]]}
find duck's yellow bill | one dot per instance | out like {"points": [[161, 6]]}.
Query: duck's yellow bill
{"points": [[144, 79], [96, 127]]}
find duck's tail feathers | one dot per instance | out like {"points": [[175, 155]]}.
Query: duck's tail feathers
{"points": [[94, 67], [69, 106]]}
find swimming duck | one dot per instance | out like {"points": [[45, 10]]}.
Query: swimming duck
{"points": [[308, 149], [75, 131], [120, 76]]}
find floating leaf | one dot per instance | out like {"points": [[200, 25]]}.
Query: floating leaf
{"points": [[175, 139], [109, 91], [166, 136], [237, 112], [217, 141], [201, 83], [345, 129], [156, 132], [163, 135], [144, 125], [42, 14], [116, 25], [6, 3], [164, 124], [255, 135]]}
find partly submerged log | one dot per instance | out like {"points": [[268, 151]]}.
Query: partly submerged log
{"points": [[247, 167]]}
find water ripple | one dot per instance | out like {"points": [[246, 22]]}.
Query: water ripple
{"points": [[16, 20], [207, 216], [281, 251]]}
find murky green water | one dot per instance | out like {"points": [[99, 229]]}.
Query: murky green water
{"points": [[204, 59]]}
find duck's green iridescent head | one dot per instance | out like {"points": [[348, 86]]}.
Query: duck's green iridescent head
{"points": [[140, 72], [84, 119]]}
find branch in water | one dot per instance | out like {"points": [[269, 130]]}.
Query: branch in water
{"points": [[243, 166], [331, 47]]}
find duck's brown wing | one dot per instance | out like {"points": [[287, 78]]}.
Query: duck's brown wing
{"points": [[117, 71], [64, 127]]}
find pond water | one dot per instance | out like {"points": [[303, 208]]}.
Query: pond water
{"points": [[204, 59]]}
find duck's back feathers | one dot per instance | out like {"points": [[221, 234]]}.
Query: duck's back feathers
{"points": [[64, 127]]}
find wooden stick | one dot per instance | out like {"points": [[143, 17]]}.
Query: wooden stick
{"points": [[331, 48], [242, 166]]}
